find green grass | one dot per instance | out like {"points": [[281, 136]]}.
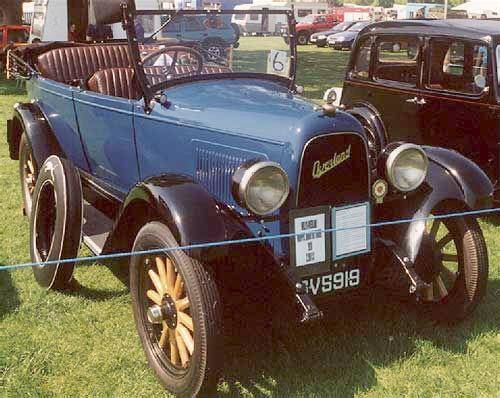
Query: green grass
{"points": [[82, 343]]}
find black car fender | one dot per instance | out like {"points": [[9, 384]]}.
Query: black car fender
{"points": [[372, 122], [28, 118], [186, 207], [453, 184]]}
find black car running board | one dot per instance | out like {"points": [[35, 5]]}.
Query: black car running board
{"points": [[96, 228]]}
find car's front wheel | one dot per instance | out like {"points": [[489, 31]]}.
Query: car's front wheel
{"points": [[177, 311], [454, 262]]}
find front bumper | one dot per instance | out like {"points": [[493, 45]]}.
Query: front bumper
{"points": [[340, 44]]}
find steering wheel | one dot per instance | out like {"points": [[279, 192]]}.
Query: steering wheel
{"points": [[173, 53]]}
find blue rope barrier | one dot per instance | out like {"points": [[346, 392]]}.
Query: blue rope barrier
{"points": [[241, 241]]}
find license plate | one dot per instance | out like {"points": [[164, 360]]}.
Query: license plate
{"points": [[332, 282], [313, 247]]}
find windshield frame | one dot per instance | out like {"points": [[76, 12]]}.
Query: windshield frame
{"points": [[149, 91]]}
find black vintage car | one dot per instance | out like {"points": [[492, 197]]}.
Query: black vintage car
{"points": [[441, 88]]}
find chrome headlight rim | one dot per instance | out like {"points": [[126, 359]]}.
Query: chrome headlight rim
{"points": [[247, 172], [392, 159]]}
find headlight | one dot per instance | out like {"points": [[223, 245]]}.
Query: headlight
{"points": [[260, 186], [406, 167]]}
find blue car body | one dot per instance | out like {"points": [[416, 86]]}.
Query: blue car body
{"points": [[176, 158]]}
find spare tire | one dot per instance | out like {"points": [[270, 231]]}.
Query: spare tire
{"points": [[56, 222]]}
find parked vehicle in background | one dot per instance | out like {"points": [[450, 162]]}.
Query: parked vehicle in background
{"points": [[441, 88], [320, 38], [11, 36], [346, 39], [259, 23], [52, 18], [314, 23]]}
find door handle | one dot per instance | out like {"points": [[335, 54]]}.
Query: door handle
{"points": [[416, 101]]}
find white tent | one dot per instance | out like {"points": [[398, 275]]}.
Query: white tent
{"points": [[491, 8]]}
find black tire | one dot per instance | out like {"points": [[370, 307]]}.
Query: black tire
{"points": [[198, 376], [237, 34], [454, 294], [303, 38], [28, 172], [56, 222]]}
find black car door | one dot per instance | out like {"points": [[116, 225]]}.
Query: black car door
{"points": [[455, 109], [393, 85]]}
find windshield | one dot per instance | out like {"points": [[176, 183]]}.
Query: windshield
{"points": [[358, 26], [307, 19], [341, 26], [191, 44], [17, 36]]}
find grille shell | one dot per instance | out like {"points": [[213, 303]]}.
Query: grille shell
{"points": [[347, 182]]}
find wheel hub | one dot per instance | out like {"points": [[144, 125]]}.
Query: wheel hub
{"points": [[166, 312]]}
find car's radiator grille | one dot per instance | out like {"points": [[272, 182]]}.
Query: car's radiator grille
{"points": [[334, 171], [214, 171]]}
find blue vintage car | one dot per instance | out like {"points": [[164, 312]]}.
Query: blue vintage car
{"points": [[148, 147]]}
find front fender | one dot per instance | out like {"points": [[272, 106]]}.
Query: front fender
{"points": [[28, 118], [453, 184], [186, 207]]}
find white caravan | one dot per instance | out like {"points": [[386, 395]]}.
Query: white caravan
{"points": [[52, 18], [259, 23]]}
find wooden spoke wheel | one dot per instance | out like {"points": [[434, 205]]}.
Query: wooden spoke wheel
{"points": [[169, 310], [28, 173], [177, 312], [454, 262]]}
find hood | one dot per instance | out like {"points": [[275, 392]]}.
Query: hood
{"points": [[348, 34], [252, 107]]}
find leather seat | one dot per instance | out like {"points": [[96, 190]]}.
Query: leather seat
{"points": [[121, 82], [118, 82], [70, 64]]}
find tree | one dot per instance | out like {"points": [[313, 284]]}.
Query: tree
{"points": [[11, 12], [384, 3]]}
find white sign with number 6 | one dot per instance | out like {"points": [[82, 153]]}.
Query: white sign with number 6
{"points": [[277, 63]]}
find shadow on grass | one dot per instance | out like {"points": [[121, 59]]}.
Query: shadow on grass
{"points": [[337, 356], [9, 299], [78, 290]]}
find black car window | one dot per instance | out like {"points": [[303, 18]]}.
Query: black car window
{"points": [[362, 65], [458, 66], [397, 61]]}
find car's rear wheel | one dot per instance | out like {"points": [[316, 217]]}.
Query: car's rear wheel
{"points": [[28, 172], [303, 38], [56, 222], [177, 311], [454, 262]]}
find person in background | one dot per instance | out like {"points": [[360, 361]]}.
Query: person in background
{"points": [[139, 31], [72, 34]]}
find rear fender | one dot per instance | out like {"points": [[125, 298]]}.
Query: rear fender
{"points": [[453, 184], [28, 118]]}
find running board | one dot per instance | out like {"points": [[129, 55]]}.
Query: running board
{"points": [[96, 228]]}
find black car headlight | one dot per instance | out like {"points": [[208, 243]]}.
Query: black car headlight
{"points": [[406, 167], [260, 186]]}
